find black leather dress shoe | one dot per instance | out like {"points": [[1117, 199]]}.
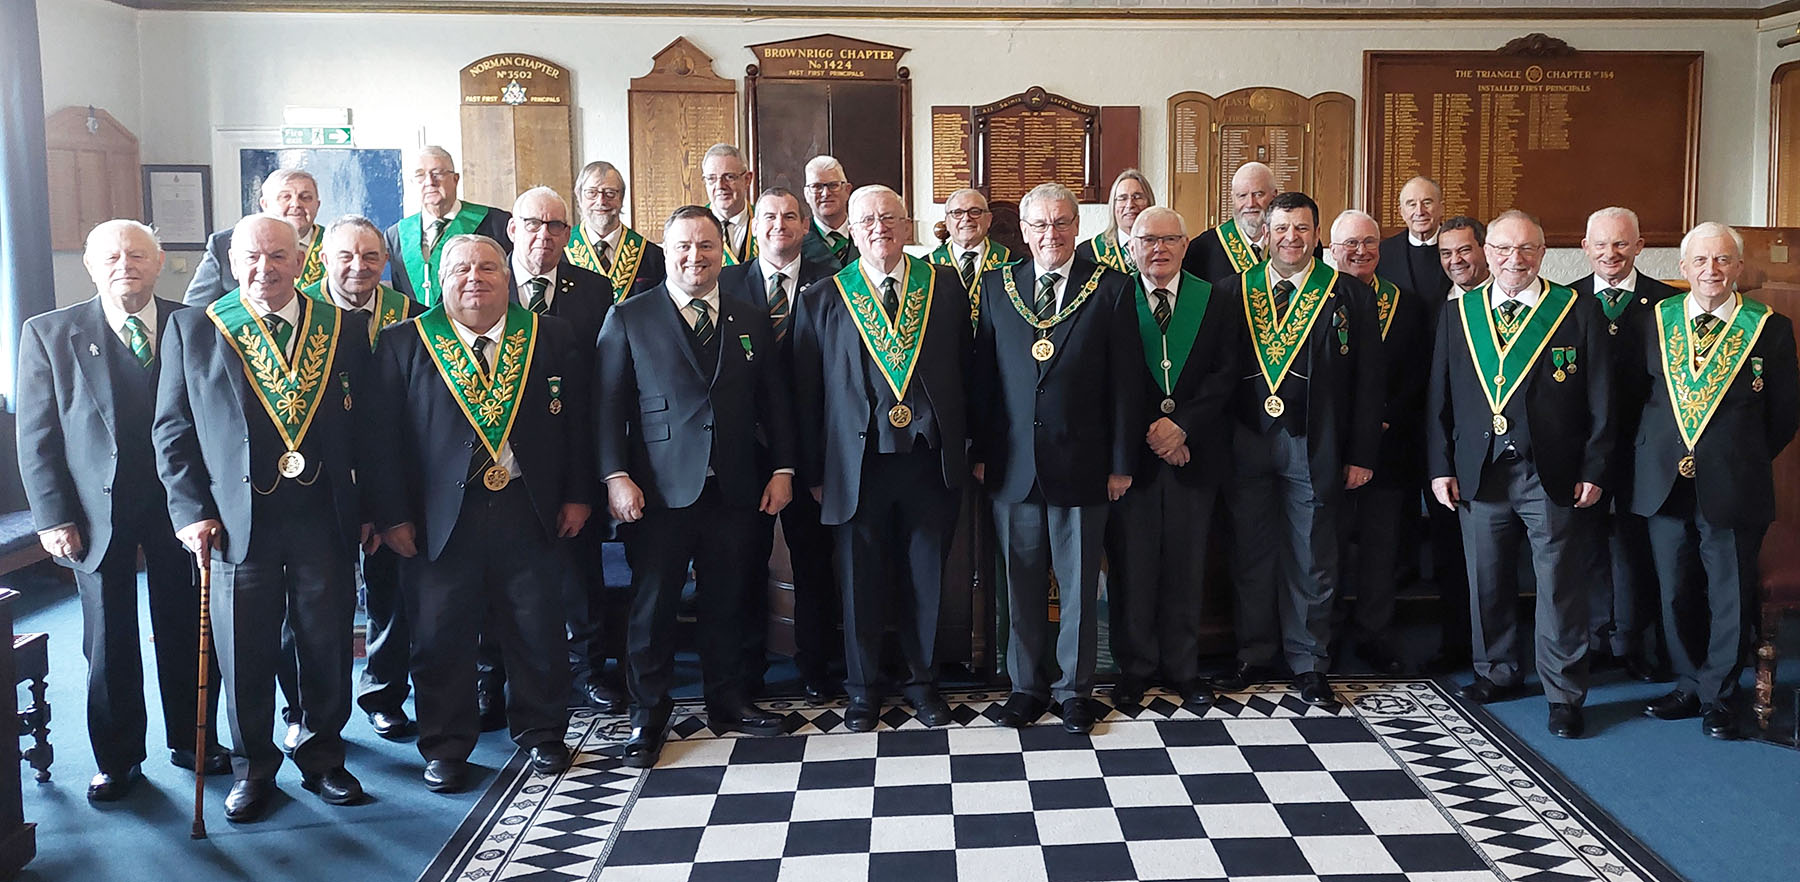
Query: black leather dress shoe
{"points": [[1241, 677], [1077, 716], [491, 705], [550, 758], [644, 747], [862, 715], [107, 786], [1020, 710], [1196, 695], [748, 719], [390, 724], [603, 698], [1381, 660], [445, 775], [335, 786], [218, 761], [1718, 722], [1638, 669], [1482, 690], [1126, 692], [817, 690], [931, 709], [1566, 721], [1677, 705], [1315, 689], [248, 800]]}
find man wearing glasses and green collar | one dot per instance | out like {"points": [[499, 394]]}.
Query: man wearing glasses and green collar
{"points": [[728, 182], [828, 195], [970, 251], [601, 243], [416, 243]]}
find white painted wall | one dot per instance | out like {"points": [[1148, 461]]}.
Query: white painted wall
{"points": [[201, 71]]}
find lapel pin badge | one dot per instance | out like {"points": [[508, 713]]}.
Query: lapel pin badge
{"points": [[93, 349]]}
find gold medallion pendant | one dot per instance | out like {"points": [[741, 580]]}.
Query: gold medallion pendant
{"points": [[290, 464], [899, 416], [556, 405], [1686, 466], [1500, 424], [1168, 405], [496, 477], [1273, 406], [1042, 350], [1559, 376]]}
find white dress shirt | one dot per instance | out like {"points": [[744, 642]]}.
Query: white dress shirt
{"points": [[290, 313], [522, 280], [467, 335], [1722, 312], [1061, 289], [1627, 284], [115, 319], [1415, 240], [736, 228], [1528, 297]]}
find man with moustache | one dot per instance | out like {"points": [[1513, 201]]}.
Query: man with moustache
{"points": [[1409, 258], [483, 467], [1375, 512], [602, 244], [828, 237], [287, 193], [354, 255], [256, 444], [774, 281], [879, 352], [1623, 628], [1723, 401], [1157, 533], [1056, 403], [1309, 409], [1130, 196], [729, 183], [86, 397], [686, 379], [969, 250], [1519, 432], [1241, 242], [415, 244]]}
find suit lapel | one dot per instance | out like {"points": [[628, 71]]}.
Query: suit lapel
{"points": [[728, 331], [678, 326], [1079, 273], [86, 341]]}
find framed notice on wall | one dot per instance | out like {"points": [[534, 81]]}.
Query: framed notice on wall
{"points": [[1537, 126], [178, 203]]}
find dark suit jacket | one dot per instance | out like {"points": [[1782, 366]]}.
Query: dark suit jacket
{"points": [[832, 377], [1202, 392], [1630, 384], [1345, 399], [1406, 363], [1568, 425], [205, 448], [747, 282], [425, 445], [582, 299], [815, 248], [1397, 267], [651, 270], [1206, 258], [1734, 484], [662, 416], [68, 427], [1065, 424], [212, 278], [492, 226]]}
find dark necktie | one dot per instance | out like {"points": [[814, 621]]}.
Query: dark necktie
{"points": [[481, 356], [1506, 313], [437, 232], [536, 302], [1284, 294], [1258, 251], [779, 308], [839, 244], [604, 255], [703, 323], [1161, 311], [1612, 296], [890, 298], [138, 338], [968, 269], [1706, 333], [279, 331], [1046, 295]]}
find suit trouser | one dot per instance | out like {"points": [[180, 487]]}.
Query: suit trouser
{"points": [[1034, 538], [1450, 572], [817, 605], [383, 686], [1622, 603], [1156, 541], [720, 540], [1513, 507], [1703, 567], [584, 600], [890, 559], [1286, 564], [497, 559], [117, 718], [1373, 514], [298, 569]]}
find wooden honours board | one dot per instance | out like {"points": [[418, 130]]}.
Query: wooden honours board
{"points": [[1537, 126], [1307, 142], [830, 94], [517, 127], [1007, 147], [677, 111]]}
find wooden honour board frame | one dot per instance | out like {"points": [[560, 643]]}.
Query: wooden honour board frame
{"points": [[518, 126], [675, 114], [1310, 142], [1580, 133]]}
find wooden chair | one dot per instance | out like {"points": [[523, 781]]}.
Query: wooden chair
{"points": [[1779, 594], [31, 664]]}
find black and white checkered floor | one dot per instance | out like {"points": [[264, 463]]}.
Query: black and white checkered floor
{"points": [[1399, 785]]}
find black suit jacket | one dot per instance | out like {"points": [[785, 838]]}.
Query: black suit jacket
{"points": [[1065, 424], [651, 270], [814, 248], [425, 446], [832, 376], [1568, 425], [1630, 383], [1397, 266], [582, 299], [747, 282], [68, 426], [663, 416], [492, 226], [1345, 400], [1202, 392], [1734, 484], [1207, 259], [205, 448], [1406, 362]]}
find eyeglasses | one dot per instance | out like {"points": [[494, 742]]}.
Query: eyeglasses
{"points": [[1165, 241], [728, 178], [870, 222], [826, 187], [1523, 250], [1131, 198], [1061, 224], [435, 175], [1365, 244], [534, 224], [970, 213], [591, 193]]}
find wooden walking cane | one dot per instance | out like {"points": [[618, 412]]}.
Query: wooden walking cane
{"points": [[204, 556]]}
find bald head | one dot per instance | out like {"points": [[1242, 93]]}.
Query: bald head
{"points": [[1252, 189]]}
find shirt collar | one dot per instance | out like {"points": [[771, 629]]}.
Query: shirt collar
{"points": [[468, 334], [116, 316], [682, 299], [957, 251], [1298, 278], [791, 270], [1529, 296], [289, 313], [1415, 240], [1627, 284], [1174, 288], [520, 276], [876, 275], [1722, 313], [342, 302], [454, 210], [1062, 272], [612, 238]]}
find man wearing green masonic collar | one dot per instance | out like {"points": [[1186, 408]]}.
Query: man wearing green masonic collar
{"points": [[415, 244]]}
